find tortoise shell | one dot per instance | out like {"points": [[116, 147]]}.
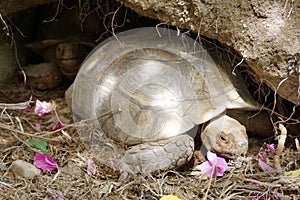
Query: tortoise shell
{"points": [[155, 82]]}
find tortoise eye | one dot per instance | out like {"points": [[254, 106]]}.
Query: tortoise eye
{"points": [[222, 139], [59, 48]]}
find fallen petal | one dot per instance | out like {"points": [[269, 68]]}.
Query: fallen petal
{"points": [[42, 108], [53, 195], [91, 168], [58, 125], [38, 127], [211, 156], [27, 109], [205, 168], [263, 164], [270, 148], [169, 197], [214, 167], [112, 164], [293, 173], [43, 162]]}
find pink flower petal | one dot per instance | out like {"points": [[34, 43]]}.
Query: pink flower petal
{"points": [[262, 163], [27, 109], [54, 195], [220, 167], [58, 125], [214, 167], [112, 164], [42, 108], [205, 168], [91, 168], [264, 166], [211, 156], [269, 148], [38, 127], [43, 162]]}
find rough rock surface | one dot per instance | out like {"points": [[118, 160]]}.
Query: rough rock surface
{"points": [[11, 6], [24, 169], [265, 33], [8, 62]]}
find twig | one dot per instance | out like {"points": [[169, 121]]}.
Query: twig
{"points": [[5, 28], [6, 127], [27, 145], [58, 8], [86, 120], [16, 106], [280, 146], [6, 184], [209, 183], [237, 66], [112, 26], [259, 182]]}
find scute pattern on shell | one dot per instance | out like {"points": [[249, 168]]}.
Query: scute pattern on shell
{"points": [[44, 76], [147, 88], [115, 76]]}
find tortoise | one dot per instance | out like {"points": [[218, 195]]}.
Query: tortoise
{"points": [[65, 47], [67, 54], [145, 90], [43, 76]]}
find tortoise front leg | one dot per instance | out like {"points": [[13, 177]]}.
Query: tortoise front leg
{"points": [[154, 156]]}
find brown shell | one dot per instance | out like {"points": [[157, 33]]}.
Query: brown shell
{"points": [[44, 76], [66, 54]]}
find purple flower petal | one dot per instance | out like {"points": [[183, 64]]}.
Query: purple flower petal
{"points": [[27, 109], [91, 168], [205, 168], [54, 195], [112, 164], [262, 163], [270, 148], [214, 167], [211, 156], [58, 125], [42, 108], [43, 162], [38, 127]]}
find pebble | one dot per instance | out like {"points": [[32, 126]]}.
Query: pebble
{"points": [[24, 169]]}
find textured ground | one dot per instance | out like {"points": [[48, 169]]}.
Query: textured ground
{"points": [[71, 181]]}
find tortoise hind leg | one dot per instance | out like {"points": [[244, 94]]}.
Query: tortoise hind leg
{"points": [[154, 156]]}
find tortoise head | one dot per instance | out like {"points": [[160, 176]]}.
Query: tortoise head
{"points": [[226, 137]]}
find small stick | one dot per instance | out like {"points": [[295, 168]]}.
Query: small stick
{"points": [[15, 106], [297, 144], [280, 146]]}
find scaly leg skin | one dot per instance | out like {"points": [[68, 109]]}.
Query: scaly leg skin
{"points": [[154, 156]]}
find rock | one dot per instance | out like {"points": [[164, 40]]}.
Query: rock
{"points": [[24, 169], [8, 66], [264, 33]]}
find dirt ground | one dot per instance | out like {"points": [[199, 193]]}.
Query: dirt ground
{"points": [[244, 179]]}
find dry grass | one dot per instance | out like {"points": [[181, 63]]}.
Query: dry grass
{"points": [[72, 181]]}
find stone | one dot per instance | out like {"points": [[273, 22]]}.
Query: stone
{"points": [[24, 169], [8, 66]]}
